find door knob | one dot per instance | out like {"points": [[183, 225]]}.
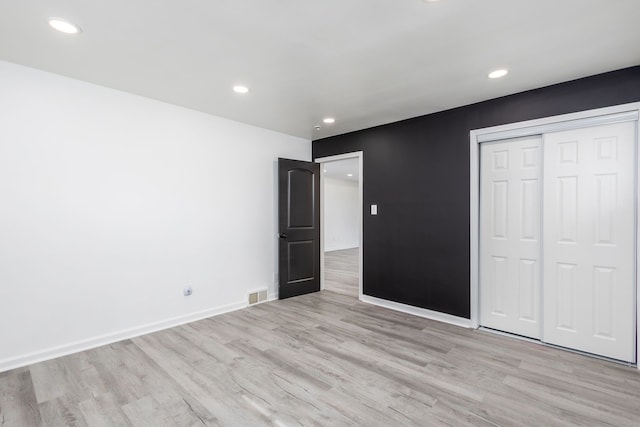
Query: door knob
{"points": [[282, 235]]}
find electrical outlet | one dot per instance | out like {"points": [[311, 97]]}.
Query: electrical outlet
{"points": [[187, 290]]}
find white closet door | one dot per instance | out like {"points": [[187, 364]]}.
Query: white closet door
{"points": [[589, 237], [510, 188]]}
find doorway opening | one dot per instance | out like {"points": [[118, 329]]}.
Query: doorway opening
{"points": [[341, 224]]}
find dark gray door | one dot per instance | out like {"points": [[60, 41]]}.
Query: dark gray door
{"points": [[298, 227]]}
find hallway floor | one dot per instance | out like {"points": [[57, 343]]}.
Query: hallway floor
{"points": [[341, 271]]}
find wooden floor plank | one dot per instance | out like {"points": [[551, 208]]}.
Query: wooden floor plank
{"points": [[60, 412], [18, 404]]}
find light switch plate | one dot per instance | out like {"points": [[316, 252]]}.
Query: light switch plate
{"points": [[374, 209]]}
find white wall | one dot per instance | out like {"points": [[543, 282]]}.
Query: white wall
{"points": [[110, 203], [341, 214]]}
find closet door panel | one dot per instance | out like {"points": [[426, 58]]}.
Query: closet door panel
{"points": [[589, 240], [510, 236]]}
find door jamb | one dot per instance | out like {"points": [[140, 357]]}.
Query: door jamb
{"points": [[618, 113], [358, 155]]}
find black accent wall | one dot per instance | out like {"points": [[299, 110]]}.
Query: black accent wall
{"points": [[416, 251]]}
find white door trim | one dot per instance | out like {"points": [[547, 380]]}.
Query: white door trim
{"points": [[600, 116], [358, 155]]}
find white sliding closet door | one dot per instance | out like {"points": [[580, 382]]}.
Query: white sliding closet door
{"points": [[510, 188], [589, 240]]}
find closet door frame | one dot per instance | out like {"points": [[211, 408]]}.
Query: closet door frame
{"points": [[600, 116]]}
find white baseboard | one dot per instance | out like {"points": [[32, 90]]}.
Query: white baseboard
{"points": [[74, 347], [417, 311]]}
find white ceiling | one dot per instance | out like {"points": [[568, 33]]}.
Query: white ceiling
{"points": [[364, 62], [341, 169]]}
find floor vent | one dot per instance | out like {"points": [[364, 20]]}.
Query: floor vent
{"points": [[257, 297]]}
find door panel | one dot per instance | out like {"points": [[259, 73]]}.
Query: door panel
{"points": [[510, 236], [589, 240], [300, 206], [529, 289], [301, 260], [299, 227]]}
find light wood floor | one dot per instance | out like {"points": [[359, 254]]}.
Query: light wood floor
{"points": [[341, 271], [321, 359]]}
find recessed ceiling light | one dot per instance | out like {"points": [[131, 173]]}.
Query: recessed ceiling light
{"points": [[329, 120], [64, 26], [240, 89], [498, 73], [324, 170], [349, 175]]}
